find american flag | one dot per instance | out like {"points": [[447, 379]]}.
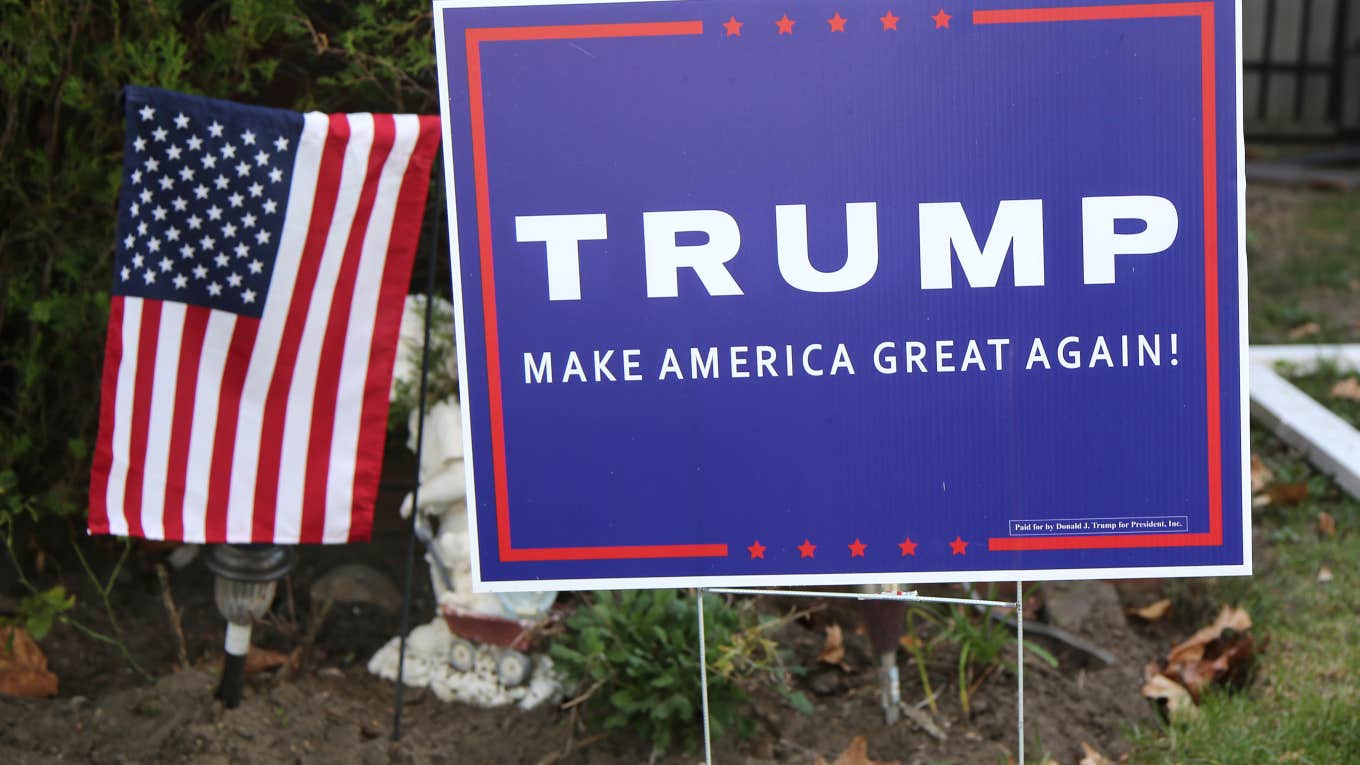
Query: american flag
{"points": [[261, 265]]}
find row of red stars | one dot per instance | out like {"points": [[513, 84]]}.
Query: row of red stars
{"points": [[808, 550], [837, 23]]}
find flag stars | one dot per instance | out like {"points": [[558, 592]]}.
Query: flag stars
{"points": [[275, 175], [126, 272], [214, 213], [733, 27], [256, 190], [154, 244], [242, 249], [179, 204], [757, 550], [136, 177], [941, 20], [262, 237], [221, 182], [128, 241], [248, 296], [181, 281], [135, 209], [172, 234], [261, 158], [807, 549], [221, 260], [889, 21], [159, 134], [248, 138], [215, 129], [167, 183], [837, 22], [236, 199], [147, 112], [149, 276], [857, 548], [907, 547], [166, 264], [139, 144], [958, 546], [234, 280], [785, 25], [209, 161], [200, 272], [214, 289], [200, 192], [255, 266], [151, 164], [229, 231], [248, 220], [186, 251], [270, 206], [158, 213], [186, 173], [242, 169], [181, 121], [207, 243], [228, 151], [281, 144], [194, 222], [173, 152], [195, 143], [141, 229], [138, 260], [145, 196]]}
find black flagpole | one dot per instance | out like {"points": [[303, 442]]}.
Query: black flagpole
{"points": [[415, 491]]}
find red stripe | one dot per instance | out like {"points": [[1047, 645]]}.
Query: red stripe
{"points": [[224, 435], [1008, 544], [144, 381], [102, 461], [396, 280], [1093, 13], [617, 552], [314, 499], [585, 31], [186, 387], [276, 401]]}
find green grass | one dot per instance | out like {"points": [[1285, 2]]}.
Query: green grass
{"points": [[1303, 260], [1303, 705]]}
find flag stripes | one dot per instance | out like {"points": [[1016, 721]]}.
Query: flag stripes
{"points": [[219, 427]]}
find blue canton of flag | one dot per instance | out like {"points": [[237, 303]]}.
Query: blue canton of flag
{"points": [[205, 190]]}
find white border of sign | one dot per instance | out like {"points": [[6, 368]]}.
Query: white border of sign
{"points": [[780, 580]]}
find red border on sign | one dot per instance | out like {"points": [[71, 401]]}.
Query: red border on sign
{"points": [[1205, 12], [475, 37]]}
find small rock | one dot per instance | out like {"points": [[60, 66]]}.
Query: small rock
{"points": [[827, 682], [356, 583]]}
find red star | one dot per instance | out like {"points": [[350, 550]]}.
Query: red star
{"points": [[889, 21], [908, 547], [785, 25], [958, 546], [837, 23], [757, 550], [941, 19], [857, 549], [733, 27], [806, 549]]}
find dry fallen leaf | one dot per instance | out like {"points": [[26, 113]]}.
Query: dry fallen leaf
{"points": [[1288, 494], [833, 650], [1347, 388], [23, 666], [1305, 330], [1326, 524], [1153, 612], [857, 754], [1179, 705], [1192, 649], [1261, 474], [263, 659], [1324, 575], [1092, 756]]}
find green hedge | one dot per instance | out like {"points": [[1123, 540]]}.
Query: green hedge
{"points": [[62, 66]]}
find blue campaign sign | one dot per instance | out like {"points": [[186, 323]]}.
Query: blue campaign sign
{"points": [[806, 291]]}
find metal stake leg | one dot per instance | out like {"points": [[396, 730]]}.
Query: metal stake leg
{"points": [[703, 681], [1020, 668]]}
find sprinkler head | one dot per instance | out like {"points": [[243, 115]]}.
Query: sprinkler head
{"points": [[246, 577]]}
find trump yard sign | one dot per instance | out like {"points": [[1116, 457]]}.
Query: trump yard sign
{"points": [[815, 291]]}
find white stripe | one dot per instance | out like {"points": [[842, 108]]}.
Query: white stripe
{"points": [[170, 337], [297, 424], [212, 362], [349, 401], [246, 455], [122, 417]]}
